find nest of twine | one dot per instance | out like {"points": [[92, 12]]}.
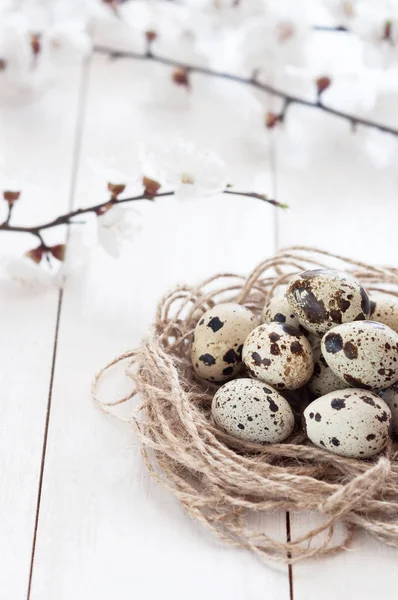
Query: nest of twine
{"points": [[221, 481]]}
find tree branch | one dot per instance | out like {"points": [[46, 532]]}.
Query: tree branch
{"points": [[288, 99], [97, 209], [336, 28]]}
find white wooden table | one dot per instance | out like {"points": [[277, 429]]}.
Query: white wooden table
{"points": [[79, 516]]}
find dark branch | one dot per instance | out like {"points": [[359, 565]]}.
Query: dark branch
{"points": [[288, 99], [338, 28], [98, 209]]}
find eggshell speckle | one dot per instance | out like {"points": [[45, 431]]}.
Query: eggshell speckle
{"points": [[323, 379], [390, 396], [216, 351], [384, 309], [350, 422], [252, 411], [278, 354], [323, 298], [364, 354]]}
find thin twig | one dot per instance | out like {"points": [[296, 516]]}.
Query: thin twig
{"points": [[9, 213], [288, 99], [67, 218], [331, 28]]}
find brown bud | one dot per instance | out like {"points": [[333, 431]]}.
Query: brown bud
{"points": [[387, 31], [36, 254], [116, 189], [11, 197], [322, 84], [3, 64], [271, 119], [35, 43], [181, 77], [151, 35], [151, 186], [58, 251]]}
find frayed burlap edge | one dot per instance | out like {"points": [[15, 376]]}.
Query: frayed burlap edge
{"points": [[221, 481]]}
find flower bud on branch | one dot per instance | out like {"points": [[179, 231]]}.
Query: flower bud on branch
{"points": [[181, 77], [322, 84], [35, 44], [36, 254], [151, 187], [58, 251], [11, 197], [116, 189], [271, 119], [150, 37]]}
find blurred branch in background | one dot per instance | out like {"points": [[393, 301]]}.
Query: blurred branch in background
{"points": [[334, 57], [181, 76]]}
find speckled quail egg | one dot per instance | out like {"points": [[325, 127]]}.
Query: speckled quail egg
{"points": [[278, 309], [216, 351], [323, 379], [390, 396], [363, 354], [384, 309], [278, 354], [323, 298], [252, 411], [350, 422]]}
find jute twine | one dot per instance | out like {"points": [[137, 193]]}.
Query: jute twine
{"points": [[221, 481]]}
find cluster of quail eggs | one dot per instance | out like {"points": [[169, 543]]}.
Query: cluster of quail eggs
{"points": [[324, 334]]}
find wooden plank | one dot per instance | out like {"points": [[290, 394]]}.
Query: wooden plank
{"points": [[343, 204], [37, 142], [106, 530]]}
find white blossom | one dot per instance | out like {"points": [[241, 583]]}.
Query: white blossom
{"points": [[116, 226], [27, 273], [342, 11], [15, 45], [67, 40], [36, 38], [275, 40], [77, 253], [187, 170]]}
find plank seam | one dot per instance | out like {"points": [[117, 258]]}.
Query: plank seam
{"points": [[76, 158], [44, 450], [290, 566]]}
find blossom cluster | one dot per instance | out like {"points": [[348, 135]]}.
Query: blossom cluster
{"points": [[38, 36], [342, 52], [178, 169]]}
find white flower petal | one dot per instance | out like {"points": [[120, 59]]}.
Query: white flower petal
{"points": [[67, 40], [185, 169], [27, 273], [116, 226]]}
